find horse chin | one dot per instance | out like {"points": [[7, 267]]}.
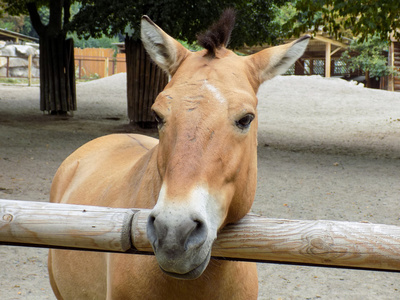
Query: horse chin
{"points": [[193, 274]]}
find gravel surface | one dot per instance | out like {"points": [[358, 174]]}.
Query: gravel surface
{"points": [[328, 149]]}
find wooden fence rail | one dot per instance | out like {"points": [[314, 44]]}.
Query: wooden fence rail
{"points": [[86, 67], [325, 243], [23, 68], [91, 66]]}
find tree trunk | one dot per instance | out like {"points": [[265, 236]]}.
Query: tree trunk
{"points": [[367, 79], [57, 68], [57, 76], [144, 82]]}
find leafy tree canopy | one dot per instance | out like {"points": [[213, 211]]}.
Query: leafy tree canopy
{"points": [[49, 17], [369, 57], [364, 18], [102, 42], [180, 18]]}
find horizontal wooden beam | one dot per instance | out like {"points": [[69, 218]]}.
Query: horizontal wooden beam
{"points": [[330, 41], [65, 225], [325, 243]]}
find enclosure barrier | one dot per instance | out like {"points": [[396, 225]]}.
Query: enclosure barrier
{"points": [[327, 243], [19, 67]]}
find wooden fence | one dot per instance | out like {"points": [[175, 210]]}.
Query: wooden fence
{"points": [[98, 63], [255, 238], [90, 63], [24, 68]]}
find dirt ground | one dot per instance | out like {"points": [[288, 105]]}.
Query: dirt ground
{"points": [[328, 149]]}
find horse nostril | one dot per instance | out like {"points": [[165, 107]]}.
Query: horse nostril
{"points": [[171, 235], [151, 232], [197, 236]]}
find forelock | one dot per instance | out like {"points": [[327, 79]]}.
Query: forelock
{"points": [[218, 35]]}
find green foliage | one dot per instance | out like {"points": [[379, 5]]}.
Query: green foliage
{"points": [[190, 46], [363, 18], [4, 24], [12, 23], [23, 24], [181, 19], [28, 28], [369, 57], [285, 13], [102, 42]]}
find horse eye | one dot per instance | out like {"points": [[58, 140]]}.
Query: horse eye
{"points": [[244, 122]]}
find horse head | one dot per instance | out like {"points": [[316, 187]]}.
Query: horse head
{"points": [[207, 152]]}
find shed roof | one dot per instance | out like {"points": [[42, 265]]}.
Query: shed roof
{"points": [[7, 35], [316, 46]]}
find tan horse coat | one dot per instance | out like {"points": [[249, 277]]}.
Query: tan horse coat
{"points": [[200, 176]]}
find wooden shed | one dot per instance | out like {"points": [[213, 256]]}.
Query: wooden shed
{"points": [[320, 49], [394, 61], [15, 37]]}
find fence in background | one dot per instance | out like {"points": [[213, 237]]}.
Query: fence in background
{"points": [[93, 63], [19, 67], [90, 63]]}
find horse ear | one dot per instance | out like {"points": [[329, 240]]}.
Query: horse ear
{"points": [[277, 60], [164, 50]]}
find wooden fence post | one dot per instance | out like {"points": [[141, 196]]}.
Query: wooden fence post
{"points": [[8, 67], [328, 59], [106, 66], [80, 69], [29, 69]]}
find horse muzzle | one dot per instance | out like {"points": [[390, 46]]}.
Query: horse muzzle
{"points": [[182, 231], [181, 243]]}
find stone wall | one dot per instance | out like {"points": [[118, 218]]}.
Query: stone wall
{"points": [[17, 58]]}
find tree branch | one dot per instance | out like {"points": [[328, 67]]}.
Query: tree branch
{"points": [[67, 13], [55, 21], [35, 19]]}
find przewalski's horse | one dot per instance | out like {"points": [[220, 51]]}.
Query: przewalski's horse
{"points": [[198, 177]]}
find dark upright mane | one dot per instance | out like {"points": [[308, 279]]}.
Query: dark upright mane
{"points": [[219, 33]]}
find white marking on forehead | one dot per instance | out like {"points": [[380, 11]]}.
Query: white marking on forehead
{"points": [[215, 91]]}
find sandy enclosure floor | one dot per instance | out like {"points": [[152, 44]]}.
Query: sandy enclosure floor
{"points": [[328, 149]]}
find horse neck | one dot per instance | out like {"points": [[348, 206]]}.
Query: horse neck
{"points": [[145, 181]]}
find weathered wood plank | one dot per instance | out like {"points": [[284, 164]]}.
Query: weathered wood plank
{"points": [[325, 243], [42, 223], [328, 243]]}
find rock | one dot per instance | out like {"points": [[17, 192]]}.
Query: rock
{"points": [[3, 61], [19, 72], [3, 72], [2, 44], [8, 50], [22, 72], [33, 45], [18, 50], [18, 62], [35, 62], [24, 50], [35, 72]]}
